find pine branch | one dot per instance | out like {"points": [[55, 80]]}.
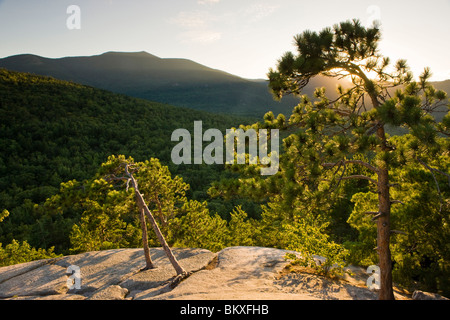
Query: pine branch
{"points": [[377, 216], [432, 170], [340, 178], [444, 133], [398, 232], [360, 176], [359, 162]]}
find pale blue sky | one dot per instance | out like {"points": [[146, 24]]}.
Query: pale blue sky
{"points": [[243, 37]]}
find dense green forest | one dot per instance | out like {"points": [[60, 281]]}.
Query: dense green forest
{"points": [[54, 131], [346, 189]]}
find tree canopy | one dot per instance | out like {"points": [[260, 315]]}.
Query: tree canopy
{"points": [[335, 141]]}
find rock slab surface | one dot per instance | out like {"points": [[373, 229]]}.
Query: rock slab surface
{"points": [[236, 273]]}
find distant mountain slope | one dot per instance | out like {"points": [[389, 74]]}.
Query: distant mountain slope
{"points": [[126, 69], [442, 85], [178, 82]]}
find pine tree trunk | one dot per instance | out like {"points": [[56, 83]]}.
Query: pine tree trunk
{"points": [[148, 259], [384, 228], [143, 207], [384, 207], [178, 268]]}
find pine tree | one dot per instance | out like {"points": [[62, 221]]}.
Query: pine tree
{"points": [[330, 133], [121, 169]]}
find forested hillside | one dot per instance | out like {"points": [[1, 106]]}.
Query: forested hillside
{"points": [[54, 131]]}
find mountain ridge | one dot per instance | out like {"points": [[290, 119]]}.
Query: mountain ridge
{"points": [[112, 60], [174, 81]]}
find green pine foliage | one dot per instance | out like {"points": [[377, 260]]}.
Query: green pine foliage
{"points": [[338, 159], [332, 134], [109, 217], [196, 227], [420, 250], [16, 252]]}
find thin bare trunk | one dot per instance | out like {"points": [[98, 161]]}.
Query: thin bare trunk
{"points": [[143, 207], [161, 215], [178, 268], [148, 259]]}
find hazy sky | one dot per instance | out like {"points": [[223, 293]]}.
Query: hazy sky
{"points": [[242, 37]]}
